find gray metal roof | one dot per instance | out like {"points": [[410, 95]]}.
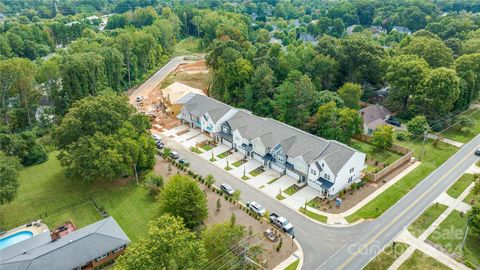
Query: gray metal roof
{"points": [[75, 249]]}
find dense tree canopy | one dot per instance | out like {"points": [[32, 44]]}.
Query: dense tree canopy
{"points": [[103, 137], [168, 245]]}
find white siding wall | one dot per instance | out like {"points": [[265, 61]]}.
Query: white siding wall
{"points": [[218, 125], [357, 163], [258, 147], [312, 177]]}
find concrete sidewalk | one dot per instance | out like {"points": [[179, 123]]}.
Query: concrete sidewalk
{"points": [[419, 243]]}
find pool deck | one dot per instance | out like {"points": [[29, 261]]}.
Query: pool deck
{"points": [[37, 227]]}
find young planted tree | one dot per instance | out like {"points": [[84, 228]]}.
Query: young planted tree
{"points": [[383, 137], [168, 245]]}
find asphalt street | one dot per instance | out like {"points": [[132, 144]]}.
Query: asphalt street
{"points": [[158, 77], [352, 247]]}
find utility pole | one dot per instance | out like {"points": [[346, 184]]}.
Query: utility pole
{"points": [[425, 134]]}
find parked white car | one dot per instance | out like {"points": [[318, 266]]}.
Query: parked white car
{"points": [[139, 98], [257, 208], [227, 189], [156, 137]]}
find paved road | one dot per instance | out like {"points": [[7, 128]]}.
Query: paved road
{"points": [[327, 247], [156, 78]]}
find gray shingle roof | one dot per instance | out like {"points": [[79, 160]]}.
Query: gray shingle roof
{"points": [[374, 115], [199, 105], [75, 249], [294, 142]]}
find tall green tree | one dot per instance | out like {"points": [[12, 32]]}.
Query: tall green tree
{"points": [[437, 93], [468, 70], [168, 245], [335, 123], [181, 197], [261, 90], [404, 75], [433, 50], [350, 93], [418, 125], [9, 169], [103, 137], [221, 243], [293, 102]]}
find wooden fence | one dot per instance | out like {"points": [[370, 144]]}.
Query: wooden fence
{"points": [[406, 153]]}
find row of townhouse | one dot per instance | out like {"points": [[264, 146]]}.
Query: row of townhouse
{"points": [[326, 165]]}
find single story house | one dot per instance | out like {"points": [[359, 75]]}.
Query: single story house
{"points": [[373, 117], [172, 96], [86, 248], [326, 165]]}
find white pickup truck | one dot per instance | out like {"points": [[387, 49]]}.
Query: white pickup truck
{"points": [[282, 223]]}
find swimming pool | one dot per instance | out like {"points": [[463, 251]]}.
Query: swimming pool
{"points": [[14, 238]]}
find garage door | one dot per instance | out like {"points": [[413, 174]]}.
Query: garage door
{"points": [[227, 143], [277, 167], [293, 174], [257, 157]]}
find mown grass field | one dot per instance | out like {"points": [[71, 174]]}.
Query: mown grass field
{"points": [[459, 136], [426, 219], [450, 236], [432, 156], [460, 185], [421, 261], [46, 191], [387, 257]]}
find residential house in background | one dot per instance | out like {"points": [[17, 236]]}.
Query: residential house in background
{"points": [[87, 248], [326, 165], [373, 117], [44, 109], [402, 29]]}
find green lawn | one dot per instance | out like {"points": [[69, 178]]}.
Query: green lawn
{"points": [[384, 156], [426, 219], [290, 190], [45, 190], [239, 163], [386, 257], [255, 172], [450, 235], [464, 137], [293, 265], [280, 197], [421, 261], [460, 185], [228, 168], [187, 46], [313, 215], [223, 155], [245, 177], [206, 147], [434, 156], [195, 150], [475, 198]]}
